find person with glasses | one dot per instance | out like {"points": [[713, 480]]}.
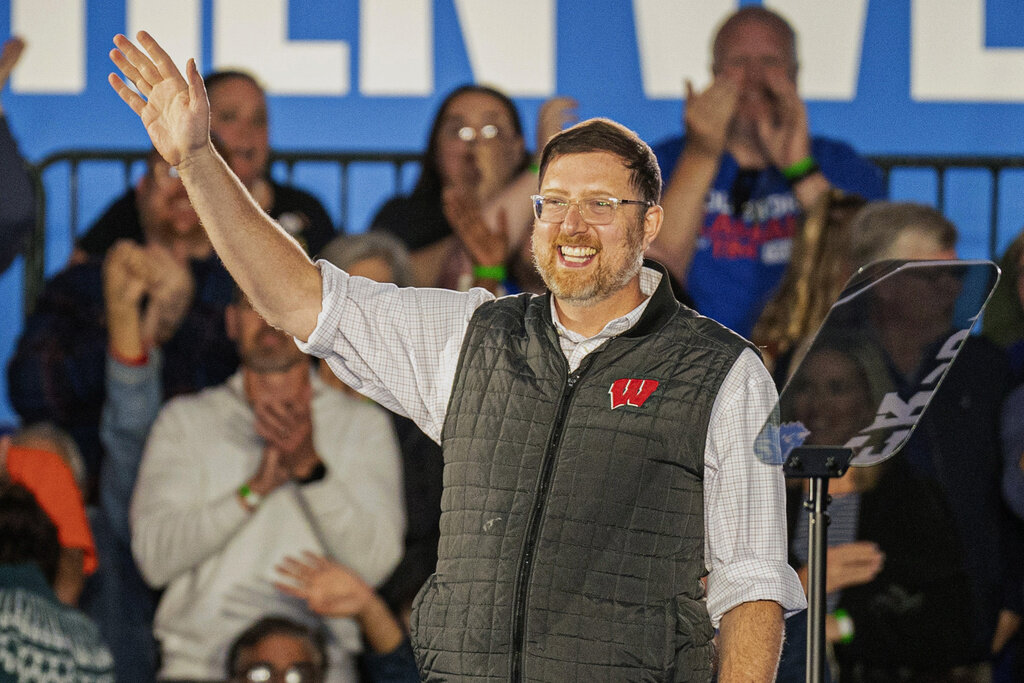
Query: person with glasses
{"points": [[604, 510], [464, 221], [331, 589], [745, 171], [278, 650]]}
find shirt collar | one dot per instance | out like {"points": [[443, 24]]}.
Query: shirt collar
{"points": [[649, 280]]}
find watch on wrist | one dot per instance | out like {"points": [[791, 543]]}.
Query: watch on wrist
{"points": [[318, 472]]}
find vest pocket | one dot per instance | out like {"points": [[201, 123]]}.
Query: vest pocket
{"points": [[418, 620], [690, 640]]}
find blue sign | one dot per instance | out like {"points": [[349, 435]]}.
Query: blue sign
{"points": [[891, 77]]}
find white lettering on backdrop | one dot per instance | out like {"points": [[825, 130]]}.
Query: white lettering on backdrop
{"points": [[513, 46], [177, 26], [253, 34], [56, 31], [949, 60], [396, 47]]}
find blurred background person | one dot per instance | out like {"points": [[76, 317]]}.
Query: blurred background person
{"points": [[467, 219], [239, 123], [57, 370], [819, 270], [956, 445], [896, 606], [43, 638], [41, 459], [382, 258], [235, 478], [334, 590], [278, 649], [745, 171]]}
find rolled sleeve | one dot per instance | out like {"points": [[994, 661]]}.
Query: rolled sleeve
{"points": [[744, 500], [397, 346]]}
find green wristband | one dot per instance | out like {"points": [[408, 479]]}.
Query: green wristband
{"points": [[533, 168], [497, 273], [845, 623], [250, 497], [799, 170]]}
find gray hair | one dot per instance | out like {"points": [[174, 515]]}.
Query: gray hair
{"points": [[877, 227], [345, 250]]}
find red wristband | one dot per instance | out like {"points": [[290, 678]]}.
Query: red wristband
{"points": [[136, 362]]}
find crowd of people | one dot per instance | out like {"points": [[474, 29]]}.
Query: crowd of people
{"points": [[426, 481]]}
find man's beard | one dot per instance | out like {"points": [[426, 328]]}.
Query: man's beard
{"points": [[271, 351], [591, 284]]}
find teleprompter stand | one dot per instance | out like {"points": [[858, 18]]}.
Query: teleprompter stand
{"points": [[817, 464]]}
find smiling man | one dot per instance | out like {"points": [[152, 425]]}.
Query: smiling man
{"points": [[598, 441]]}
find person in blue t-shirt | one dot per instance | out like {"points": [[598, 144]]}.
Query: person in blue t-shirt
{"points": [[746, 170]]}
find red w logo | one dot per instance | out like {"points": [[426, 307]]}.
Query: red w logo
{"points": [[631, 392]]}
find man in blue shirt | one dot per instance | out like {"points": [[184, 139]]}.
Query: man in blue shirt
{"points": [[746, 170]]}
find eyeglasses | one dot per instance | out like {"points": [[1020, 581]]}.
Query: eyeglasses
{"points": [[595, 211], [261, 672], [489, 131]]}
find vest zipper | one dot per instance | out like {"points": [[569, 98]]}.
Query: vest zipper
{"points": [[519, 595]]}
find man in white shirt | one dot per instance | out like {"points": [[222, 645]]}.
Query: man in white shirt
{"points": [[512, 388], [240, 476]]}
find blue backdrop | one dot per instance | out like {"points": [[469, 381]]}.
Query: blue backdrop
{"points": [[890, 76]]}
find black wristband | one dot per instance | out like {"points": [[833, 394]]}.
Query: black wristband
{"points": [[318, 472]]}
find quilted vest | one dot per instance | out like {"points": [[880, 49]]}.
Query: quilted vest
{"points": [[572, 526]]}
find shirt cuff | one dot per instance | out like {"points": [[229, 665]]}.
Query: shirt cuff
{"points": [[752, 580], [334, 283]]}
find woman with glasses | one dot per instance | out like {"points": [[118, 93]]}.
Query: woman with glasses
{"points": [[467, 219]]}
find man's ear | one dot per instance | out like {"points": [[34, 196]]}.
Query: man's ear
{"points": [[652, 224]]}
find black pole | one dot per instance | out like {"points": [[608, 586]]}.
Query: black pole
{"points": [[817, 464], [817, 508]]}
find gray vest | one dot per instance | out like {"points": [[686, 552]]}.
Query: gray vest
{"points": [[572, 525]]}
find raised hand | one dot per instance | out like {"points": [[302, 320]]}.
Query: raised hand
{"points": [[171, 289], [328, 588], [709, 114], [175, 112], [465, 215], [10, 55], [125, 275], [852, 564], [554, 115], [783, 131]]}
